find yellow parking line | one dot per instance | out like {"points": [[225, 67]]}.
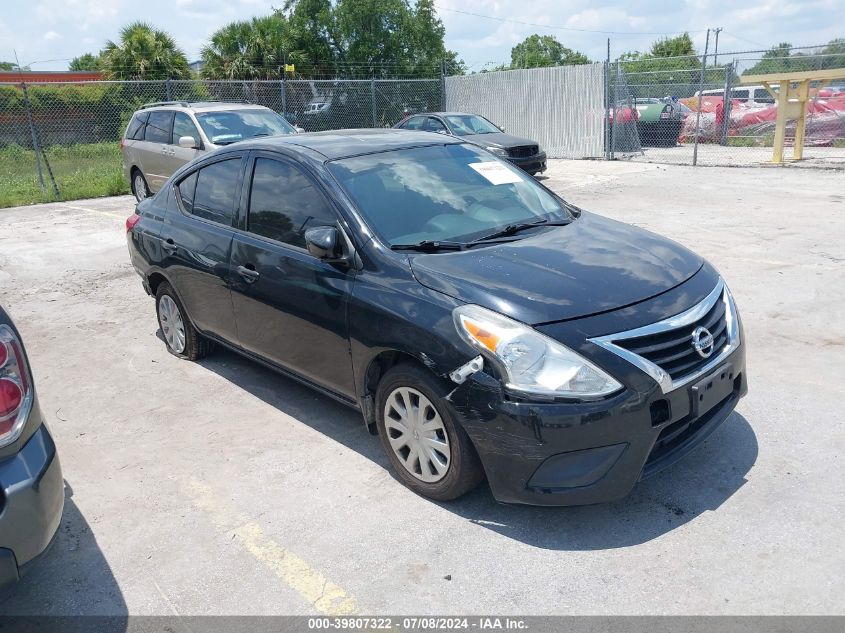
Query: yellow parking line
{"points": [[324, 595], [78, 208]]}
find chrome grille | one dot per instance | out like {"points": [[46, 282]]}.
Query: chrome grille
{"points": [[665, 349], [673, 350]]}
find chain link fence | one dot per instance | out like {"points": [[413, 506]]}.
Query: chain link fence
{"points": [[60, 140], [697, 111], [57, 140]]}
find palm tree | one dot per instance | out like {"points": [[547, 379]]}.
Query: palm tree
{"points": [[144, 52], [252, 49]]}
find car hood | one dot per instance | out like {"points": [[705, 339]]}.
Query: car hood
{"points": [[498, 139], [590, 266]]}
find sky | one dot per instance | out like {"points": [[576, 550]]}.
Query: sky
{"points": [[47, 34]]}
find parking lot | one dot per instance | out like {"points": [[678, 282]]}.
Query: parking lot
{"points": [[220, 487]]}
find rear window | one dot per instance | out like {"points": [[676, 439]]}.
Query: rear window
{"points": [[135, 131], [158, 127]]}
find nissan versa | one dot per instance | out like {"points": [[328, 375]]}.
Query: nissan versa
{"points": [[482, 325]]}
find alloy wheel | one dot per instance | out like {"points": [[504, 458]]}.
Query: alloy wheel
{"points": [[417, 435], [140, 187]]}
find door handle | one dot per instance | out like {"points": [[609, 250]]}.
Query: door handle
{"points": [[249, 274], [169, 245]]}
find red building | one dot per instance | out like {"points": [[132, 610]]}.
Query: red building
{"points": [[48, 76]]}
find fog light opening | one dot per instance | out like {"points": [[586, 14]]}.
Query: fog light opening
{"points": [[660, 412]]}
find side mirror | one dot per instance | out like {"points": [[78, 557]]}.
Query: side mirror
{"points": [[188, 142], [323, 242], [299, 130]]}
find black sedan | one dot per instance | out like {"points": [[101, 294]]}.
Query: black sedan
{"points": [[480, 323], [477, 130]]}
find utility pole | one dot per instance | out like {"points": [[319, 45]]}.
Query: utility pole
{"points": [[698, 107], [717, 30]]}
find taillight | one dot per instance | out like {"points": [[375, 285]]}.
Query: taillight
{"points": [[131, 221], [15, 387]]}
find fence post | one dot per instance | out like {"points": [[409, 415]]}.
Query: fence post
{"points": [[168, 91], [284, 99], [35, 146], [607, 104], [730, 69], [443, 84], [698, 108], [373, 97]]}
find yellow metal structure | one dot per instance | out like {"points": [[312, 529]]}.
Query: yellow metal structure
{"points": [[791, 91]]}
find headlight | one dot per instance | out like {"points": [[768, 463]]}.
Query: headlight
{"points": [[498, 151], [533, 363]]}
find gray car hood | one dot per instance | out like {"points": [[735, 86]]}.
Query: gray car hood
{"points": [[498, 139]]}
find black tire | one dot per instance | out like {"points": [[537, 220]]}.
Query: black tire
{"points": [[464, 471], [139, 196], [196, 346]]}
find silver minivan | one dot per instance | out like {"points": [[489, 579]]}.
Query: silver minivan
{"points": [[163, 136]]}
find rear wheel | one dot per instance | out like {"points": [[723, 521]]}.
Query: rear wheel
{"points": [[180, 336], [429, 453], [139, 185]]}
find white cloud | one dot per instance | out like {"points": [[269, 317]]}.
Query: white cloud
{"points": [[52, 35]]}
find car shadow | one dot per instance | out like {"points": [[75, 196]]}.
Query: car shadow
{"points": [[72, 578], [702, 481]]}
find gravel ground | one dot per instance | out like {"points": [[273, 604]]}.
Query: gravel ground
{"points": [[222, 488]]}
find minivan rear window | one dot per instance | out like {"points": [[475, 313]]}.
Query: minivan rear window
{"points": [[135, 131]]}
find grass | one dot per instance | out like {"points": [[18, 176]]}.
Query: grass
{"points": [[81, 171]]}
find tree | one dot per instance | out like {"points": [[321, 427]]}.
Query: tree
{"points": [[144, 52], [85, 62], [544, 50], [7, 66], [781, 58], [254, 49], [678, 46]]}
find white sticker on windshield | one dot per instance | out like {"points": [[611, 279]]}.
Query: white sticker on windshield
{"points": [[496, 173]]}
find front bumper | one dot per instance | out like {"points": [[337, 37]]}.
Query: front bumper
{"points": [[582, 453], [531, 164], [32, 491]]}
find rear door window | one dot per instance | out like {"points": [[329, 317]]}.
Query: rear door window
{"points": [[761, 95], [414, 123], [742, 95], [158, 126], [216, 190], [186, 192]]}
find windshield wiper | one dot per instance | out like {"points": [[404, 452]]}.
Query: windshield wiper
{"points": [[512, 229], [429, 246]]}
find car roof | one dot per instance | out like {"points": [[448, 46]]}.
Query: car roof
{"points": [[202, 106], [336, 144], [446, 114]]}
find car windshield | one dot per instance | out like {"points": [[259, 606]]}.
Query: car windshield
{"points": [[452, 192], [468, 124], [231, 126]]}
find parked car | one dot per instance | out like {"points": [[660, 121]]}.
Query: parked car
{"points": [[659, 121], [31, 484], [163, 136], [753, 96], [481, 324], [477, 130]]}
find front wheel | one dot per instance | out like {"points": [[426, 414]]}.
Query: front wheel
{"points": [[430, 453]]}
